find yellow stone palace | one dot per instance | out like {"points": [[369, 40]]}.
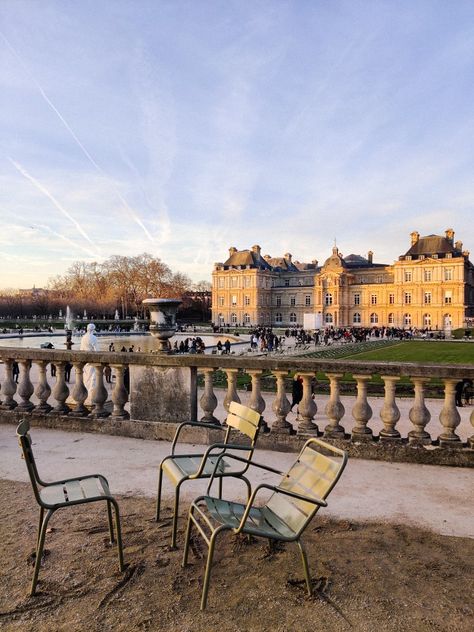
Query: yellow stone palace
{"points": [[431, 286]]}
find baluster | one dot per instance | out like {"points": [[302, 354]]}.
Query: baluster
{"points": [[61, 390], [362, 411], [231, 395], [8, 387], [79, 391], [43, 389], [419, 415], [25, 387], [307, 408], [99, 392], [449, 416], [281, 406], [334, 408], [119, 393], [390, 413], [256, 401], [470, 441], [208, 399]]}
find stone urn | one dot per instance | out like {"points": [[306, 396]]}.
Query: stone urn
{"points": [[163, 320]]}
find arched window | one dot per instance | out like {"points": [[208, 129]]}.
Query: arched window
{"points": [[427, 320], [391, 319], [247, 319], [278, 317], [328, 299], [328, 319], [292, 317], [407, 319], [374, 319], [356, 318], [233, 319]]}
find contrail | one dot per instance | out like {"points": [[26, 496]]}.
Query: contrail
{"points": [[66, 239], [130, 211], [45, 191]]}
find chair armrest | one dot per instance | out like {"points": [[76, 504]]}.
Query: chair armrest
{"points": [[242, 460], [217, 446], [314, 501], [194, 424]]}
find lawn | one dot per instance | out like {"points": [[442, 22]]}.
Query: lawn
{"points": [[421, 351]]}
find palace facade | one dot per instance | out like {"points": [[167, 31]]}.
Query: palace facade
{"points": [[430, 286]]}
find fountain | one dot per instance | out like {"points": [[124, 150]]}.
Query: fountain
{"points": [[163, 320], [117, 317]]}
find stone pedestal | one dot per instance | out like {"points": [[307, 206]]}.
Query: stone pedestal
{"points": [[161, 394]]}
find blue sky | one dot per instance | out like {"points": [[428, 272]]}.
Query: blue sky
{"points": [[181, 128]]}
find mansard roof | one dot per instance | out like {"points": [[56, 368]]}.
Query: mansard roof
{"points": [[433, 245], [357, 261], [280, 264], [242, 258]]}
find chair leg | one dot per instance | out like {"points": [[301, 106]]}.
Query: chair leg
{"points": [[158, 499], [220, 486], [111, 524], [249, 487], [307, 575], [40, 525], [187, 537], [207, 574], [39, 550], [119, 534], [174, 528]]}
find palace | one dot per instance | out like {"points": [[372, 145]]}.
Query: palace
{"points": [[430, 286]]}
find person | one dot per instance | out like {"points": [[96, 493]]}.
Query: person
{"points": [[89, 342], [459, 390], [67, 371], [53, 370], [219, 346], [296, 392], [108, 374], [111, 347], [227, 346], [16, 371]]}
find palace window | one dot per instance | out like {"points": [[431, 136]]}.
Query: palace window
{"points": [[407, 319], [374, 319], [221, 319], [221, 281], [287, 282], [233, 319], [246, 299], [233, 281], [427, 298], [307, 299], [408, 276], [328, 299], [356, 318], [448, 297], [427, 320], [427, 275], [356, 299], [278, 301], [391, 299], [278, 317], [292, 301], [407, 298], [292, 317], [391, 319], [247, 280], [373, 299], [221, 301], [448, 274], [234, 300], [328, 319], [247, 319]]}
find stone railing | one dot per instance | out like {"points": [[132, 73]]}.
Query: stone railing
{"points": [[164, 391]]}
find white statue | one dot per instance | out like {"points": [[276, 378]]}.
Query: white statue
{"points": [[89, 342]]}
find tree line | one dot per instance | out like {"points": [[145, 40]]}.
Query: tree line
{"points": [[118, 284]]}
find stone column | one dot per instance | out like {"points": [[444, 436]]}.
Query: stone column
{"points": [[256, 401], [449, 416], [119, 393], [334, 408], [419, 415], [362, 411], [43, 389], [8, 387], [61, 390], [25, 387], [307, 408], [231, 395], [79, 391], [281, 405], [390, 413], [208, 399], [99, 393]]}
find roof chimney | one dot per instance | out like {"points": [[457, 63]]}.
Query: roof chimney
{"points": [[232, 250], [256, 250], [288, 256], [314, 262], [458, 245], [450, 235], [370, 256], [415, 236]]}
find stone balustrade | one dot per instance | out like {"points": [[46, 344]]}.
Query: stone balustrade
{"points": [[150, 393]]}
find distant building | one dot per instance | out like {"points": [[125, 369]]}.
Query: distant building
{"points": [[430, 286]]}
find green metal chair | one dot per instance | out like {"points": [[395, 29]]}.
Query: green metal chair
{"points": [[186, 467], [283, 517], [65, 493]]}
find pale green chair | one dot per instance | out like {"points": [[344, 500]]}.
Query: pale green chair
{"points": [[65, 493], [284, 516], [179, 468]]}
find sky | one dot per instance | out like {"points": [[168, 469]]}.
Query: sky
{"points": [[181, 128]]}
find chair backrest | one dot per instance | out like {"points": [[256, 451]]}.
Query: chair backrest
{"points": [[313, 475], [243, 419], [24, 441]]}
